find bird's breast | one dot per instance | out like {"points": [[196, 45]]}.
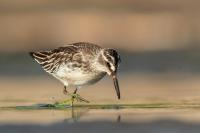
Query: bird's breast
{"points": [[78, 76]]}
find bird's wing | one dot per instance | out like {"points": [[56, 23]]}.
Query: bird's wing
{"points": [[51, 60], [73, 53]]}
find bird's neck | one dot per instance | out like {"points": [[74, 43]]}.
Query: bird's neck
{"points": [[99, 63]]}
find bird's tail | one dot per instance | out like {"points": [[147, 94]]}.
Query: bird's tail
{"points": [[40, 57]]}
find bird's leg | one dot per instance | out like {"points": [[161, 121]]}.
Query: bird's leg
{"points": [[78, 97], [73, 96], [65, 90], [66, 101]]}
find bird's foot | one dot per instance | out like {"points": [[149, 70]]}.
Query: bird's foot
{"points": [[70, 101], [78, 98]]}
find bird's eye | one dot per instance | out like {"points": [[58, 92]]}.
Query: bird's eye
{"points": [[108, 64]]}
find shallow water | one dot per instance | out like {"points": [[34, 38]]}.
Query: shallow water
{"points": [[154, 103], [85, 120], [142, 113]]}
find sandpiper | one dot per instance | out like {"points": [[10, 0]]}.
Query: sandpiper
{"points": [[79, 64]]}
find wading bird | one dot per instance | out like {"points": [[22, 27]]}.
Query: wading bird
{"points": [[79, 64]]}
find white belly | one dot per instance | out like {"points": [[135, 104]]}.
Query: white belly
{"points": [[77, 77]]}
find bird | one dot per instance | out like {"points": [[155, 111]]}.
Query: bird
{"points": [[80, 64]]}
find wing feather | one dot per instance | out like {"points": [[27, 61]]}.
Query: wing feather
{"points": [[51, 60]]}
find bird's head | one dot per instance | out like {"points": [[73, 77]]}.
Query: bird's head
{"points": [[110, 60]]}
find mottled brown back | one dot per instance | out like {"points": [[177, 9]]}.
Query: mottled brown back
{"points": [[51, 60]]}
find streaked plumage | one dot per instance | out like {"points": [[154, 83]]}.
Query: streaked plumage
{"points": [[79, 64]]}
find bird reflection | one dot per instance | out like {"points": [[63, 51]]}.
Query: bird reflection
{"points": [[118, 119], [77, 112]]}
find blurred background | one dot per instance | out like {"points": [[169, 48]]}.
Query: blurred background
{"points": [[130, 25], [159, 43]]}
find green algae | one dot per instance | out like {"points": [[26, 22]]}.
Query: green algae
{"points": [[63, 106], [104, 106]]}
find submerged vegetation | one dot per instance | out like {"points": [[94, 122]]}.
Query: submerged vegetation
{"points": [[106, 106]]}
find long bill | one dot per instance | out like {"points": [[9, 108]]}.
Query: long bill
{"points": [[116, 84]]}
